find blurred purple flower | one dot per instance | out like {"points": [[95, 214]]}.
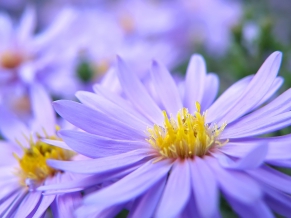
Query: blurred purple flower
{"points": [[23, 163], [209, 23], [26, 57], [173, 166]]}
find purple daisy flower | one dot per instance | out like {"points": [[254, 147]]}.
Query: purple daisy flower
{"points": [[23, 163], [26, 57], [172, 156]]}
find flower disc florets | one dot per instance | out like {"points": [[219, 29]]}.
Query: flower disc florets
{"points": [[33, 167], [186, 137]]}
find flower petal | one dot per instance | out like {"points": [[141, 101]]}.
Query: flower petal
{"points": [[45, 200], [66, 203], [235, 184], [194, 82], [132, 185], [279, 105], [204, 187], [43, 112], [251, 160], [110, 109], [147, 203], [257, 209], [178, 187], [257, 88], [95, 146], [27, 25], [273, 178], [278, 147], [278, 202], [12, 128], [137, 94], [227, 99], [95, 122], [258, 127], [166, 88], [28, 204], [210, 91], [119, 101], [102, 164]]}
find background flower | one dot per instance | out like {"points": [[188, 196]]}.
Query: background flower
{"points": [[23, 163]]}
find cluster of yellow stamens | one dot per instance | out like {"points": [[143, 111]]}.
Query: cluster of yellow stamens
{"points": [[33, 166], [186, 137]]}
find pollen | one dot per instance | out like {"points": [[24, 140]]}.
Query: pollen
{"points": [[33, 168], [186, 136], [10, 59]]}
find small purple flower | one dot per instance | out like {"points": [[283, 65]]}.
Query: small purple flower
{"points": [[26, 57], [172, 157], [23, 165]]}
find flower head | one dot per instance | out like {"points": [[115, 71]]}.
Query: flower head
{"points": [[23, 164], [27, 57], [172, 143]]}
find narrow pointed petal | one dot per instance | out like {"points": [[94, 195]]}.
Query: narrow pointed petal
{"points": [[178, 187], [278, 202], [137, 94], [28, 204], [27, 25], [95, 122], [227, 99], [166, 88], [257, 88], [194, 82], [6, 204], [236, 184], [110, 109], [132, 185], [13, 207], [95, 146], [259, 127], [87, 181], [273, 178], [57, 143], [43, 112], [119, 101], [147, 204], [273, 89], [278, 147], [204, 185], [257, 209], [62, 20], [251, 160], [210, 91], [66, 203], [101, 164], [45, 200], [279, 105], [12, 129]]}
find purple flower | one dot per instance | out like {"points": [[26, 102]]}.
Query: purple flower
{"points": [[172, 157], [26, 57], [23, 165]]}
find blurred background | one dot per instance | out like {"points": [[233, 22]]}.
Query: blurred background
{"points": [[70, 45]]}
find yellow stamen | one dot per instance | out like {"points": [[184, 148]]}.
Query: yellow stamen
{"points": [[185, 137], [33, 166]]}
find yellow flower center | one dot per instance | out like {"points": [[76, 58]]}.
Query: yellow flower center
{"points": [[33, 167], [185, 137]]}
